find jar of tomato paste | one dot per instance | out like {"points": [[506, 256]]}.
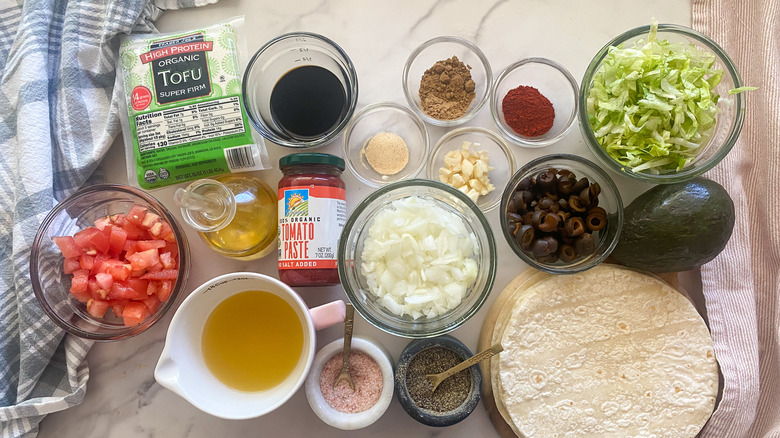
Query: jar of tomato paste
{"points": [[312, 213]]}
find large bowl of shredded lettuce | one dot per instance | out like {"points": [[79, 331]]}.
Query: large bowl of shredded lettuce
{"points": [[661, 103]]}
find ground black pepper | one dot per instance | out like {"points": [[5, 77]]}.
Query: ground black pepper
{"points": [[450, 394]]}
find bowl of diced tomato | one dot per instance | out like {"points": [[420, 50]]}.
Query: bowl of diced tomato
{"points": [[108, 262]]}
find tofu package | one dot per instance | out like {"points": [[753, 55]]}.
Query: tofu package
{"points": [[183, 115]]}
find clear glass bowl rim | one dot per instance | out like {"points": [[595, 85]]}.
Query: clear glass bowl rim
{"points": [[529, 141], [400, 185], [374, 107], [469, 114], [592, 167], [693, 171], [351, 73], [124, 333]]}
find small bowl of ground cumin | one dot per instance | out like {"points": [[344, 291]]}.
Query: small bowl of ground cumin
{"points": [[454, 399], [534, 102], [384, 143], [447, 80]]}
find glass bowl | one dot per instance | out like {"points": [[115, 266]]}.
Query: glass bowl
{"points": [[390, 118], [729, 120], [609, 199], [275, 60], [356, 232], [553, 81], [440, 49], [501, 159], [51, 285]]}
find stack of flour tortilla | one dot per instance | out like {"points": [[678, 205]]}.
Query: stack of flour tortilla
{"points": [[609, 352]]}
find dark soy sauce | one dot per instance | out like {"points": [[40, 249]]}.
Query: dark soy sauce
{"points": [[308, 101]]}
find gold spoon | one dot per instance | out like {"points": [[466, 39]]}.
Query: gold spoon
{"points": [[349, 321], [436, 379]]}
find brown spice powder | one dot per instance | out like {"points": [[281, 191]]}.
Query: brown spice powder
{"points": [[447, 89]]}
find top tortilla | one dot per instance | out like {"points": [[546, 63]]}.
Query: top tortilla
{"points": [[609, 352]]}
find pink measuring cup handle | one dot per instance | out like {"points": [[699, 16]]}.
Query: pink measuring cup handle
{"points": [[328, 314]]}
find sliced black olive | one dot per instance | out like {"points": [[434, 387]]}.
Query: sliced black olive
{"points": [[576, 204], [563, 216], [549, 258], [544, 246], [580, 184], [595, 189], [528, 196], [549, 204], [525, 237], [536, 218], [585, 245], [565, 183], [547, 181], [567, 253], [548, 223], [563, 204], [573, 227], [565, 172], [524, 183], [585, 196], [596, 219], [514, 218], [527, 216]]}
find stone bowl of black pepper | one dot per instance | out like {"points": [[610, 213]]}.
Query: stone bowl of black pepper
{"points": [[447, 80], [454, 399], [561, 214]]}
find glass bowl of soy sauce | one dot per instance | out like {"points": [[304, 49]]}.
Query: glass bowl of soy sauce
{"points": [[300, 90]]}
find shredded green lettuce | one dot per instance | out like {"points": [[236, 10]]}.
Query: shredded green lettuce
{"points": [[653, 105]]}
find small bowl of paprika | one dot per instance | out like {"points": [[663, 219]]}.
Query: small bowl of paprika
{"points": [[534, 102]]}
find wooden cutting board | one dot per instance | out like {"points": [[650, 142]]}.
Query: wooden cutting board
{"points": [[485, 341]]}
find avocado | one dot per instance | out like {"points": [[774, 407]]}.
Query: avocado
{"points": [[676, 227]]}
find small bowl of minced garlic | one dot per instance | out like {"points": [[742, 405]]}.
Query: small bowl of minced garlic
{"points": [[474, 160], [385, 143]]}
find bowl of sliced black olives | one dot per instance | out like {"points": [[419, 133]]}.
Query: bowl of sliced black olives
{"points": [[561, 214]]}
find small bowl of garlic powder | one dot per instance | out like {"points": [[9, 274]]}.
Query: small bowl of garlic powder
{"points": [[474, 160], [385, 143]]}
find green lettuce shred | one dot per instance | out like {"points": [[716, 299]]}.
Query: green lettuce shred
{"points": [[653, 105]]}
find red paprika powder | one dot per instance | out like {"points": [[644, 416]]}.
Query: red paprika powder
{"points": [[527, 111]]}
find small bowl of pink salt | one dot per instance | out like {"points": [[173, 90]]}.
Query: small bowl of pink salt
{"points": [[340, 406]]}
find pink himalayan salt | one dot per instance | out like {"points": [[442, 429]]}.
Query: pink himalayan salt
{"points": [[366, 375]]}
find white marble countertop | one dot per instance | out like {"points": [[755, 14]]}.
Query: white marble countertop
{"points": [[123, 399]]}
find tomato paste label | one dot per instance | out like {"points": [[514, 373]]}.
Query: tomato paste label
{"points": [[310, 222], [185, 116]]}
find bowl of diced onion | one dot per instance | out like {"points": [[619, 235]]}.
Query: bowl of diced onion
{"points": [[661, 104], [417, 258]]}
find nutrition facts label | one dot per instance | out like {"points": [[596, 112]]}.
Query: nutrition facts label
{"points": [[189, 123]]}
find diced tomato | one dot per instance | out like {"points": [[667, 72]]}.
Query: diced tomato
{"points": [[136, 214], [172, 248], [149, 220], [86, 261], [152, 303], [97, 308], [167, 260], [117, 306], [134, 231], [79, 281], [166, 287], [67, 246], [82, 297], [118, 264], [117, 239], [144, 259], [70, 264], [165, 274], [104, 280], [102, 223], [144, 245], [119, 272], [134, 313]]}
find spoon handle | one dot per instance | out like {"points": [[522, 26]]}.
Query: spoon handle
{"points": [[473, 360], [349, 321]]}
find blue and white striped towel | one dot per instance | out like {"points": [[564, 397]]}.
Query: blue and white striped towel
{"points": [[58, 117]]}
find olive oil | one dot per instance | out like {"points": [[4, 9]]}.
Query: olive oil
{"points": [[252, 341]]}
